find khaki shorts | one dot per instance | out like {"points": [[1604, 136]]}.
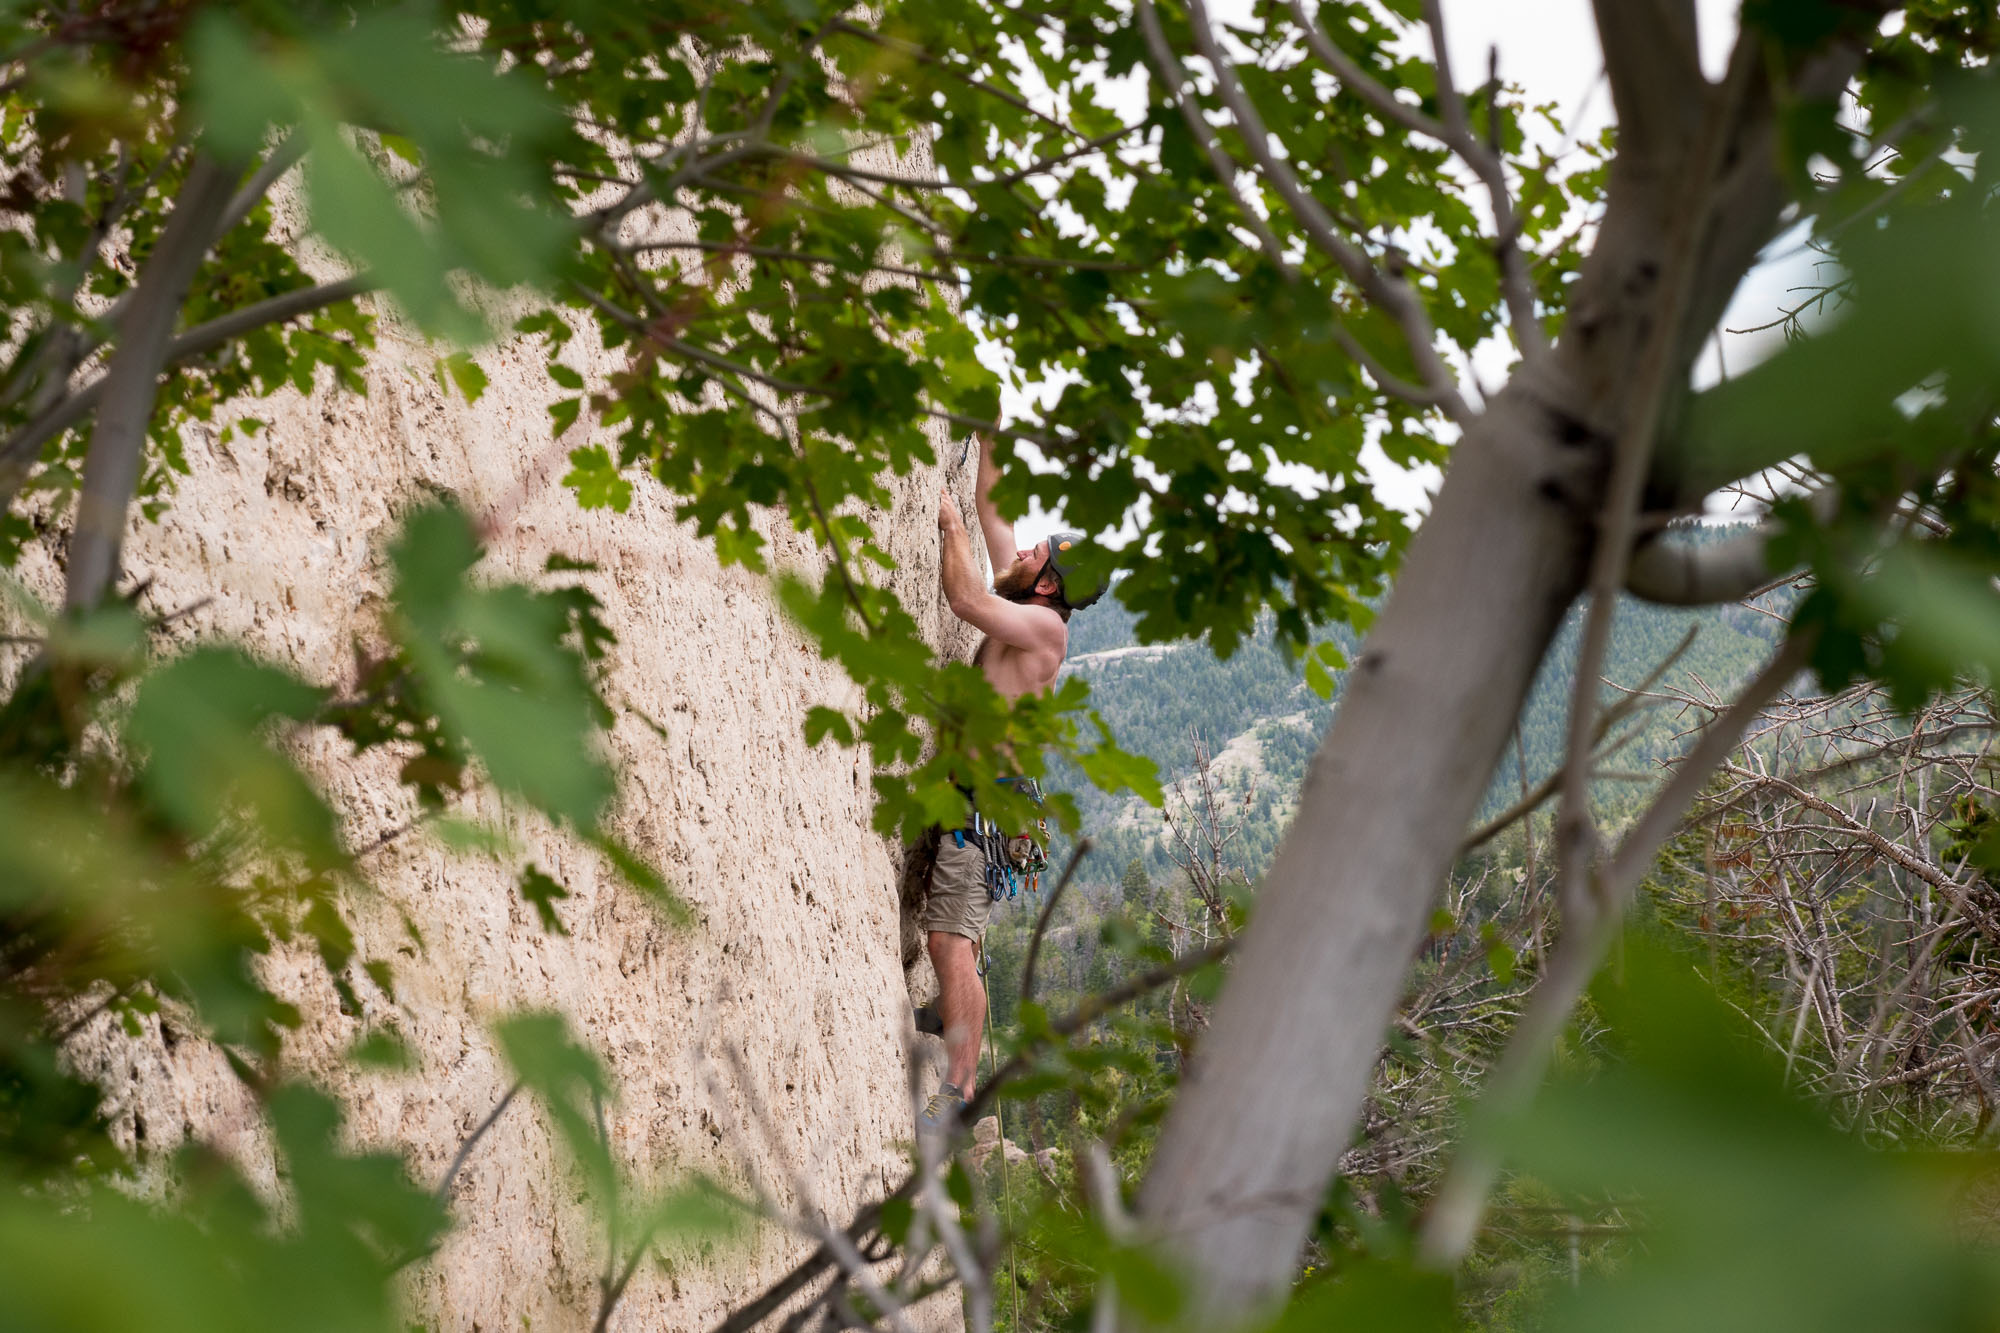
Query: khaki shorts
{"points": [[957, 903]]}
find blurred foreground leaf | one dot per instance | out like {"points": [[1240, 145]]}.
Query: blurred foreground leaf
{"points": [[1757, 1213]]}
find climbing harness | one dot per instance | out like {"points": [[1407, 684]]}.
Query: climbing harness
{"points": [[1013, 861]]}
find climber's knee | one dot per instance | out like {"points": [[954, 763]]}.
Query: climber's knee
{"points": [[953, 953]]}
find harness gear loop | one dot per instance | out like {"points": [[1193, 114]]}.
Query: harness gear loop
{"points": [[1012, 861]]}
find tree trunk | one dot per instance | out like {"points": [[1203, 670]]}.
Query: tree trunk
{"points": [[1253, 1140]]}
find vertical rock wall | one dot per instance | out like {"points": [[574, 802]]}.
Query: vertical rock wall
{"points": [[788, 993]]}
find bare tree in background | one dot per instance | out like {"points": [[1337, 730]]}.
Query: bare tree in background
{"points": [[1837, 864], [1203, 823]]}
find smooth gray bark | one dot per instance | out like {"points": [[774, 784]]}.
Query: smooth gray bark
{"points": [[1452, 1222], [131, 383], [1675, 574], [1253, 1141]]}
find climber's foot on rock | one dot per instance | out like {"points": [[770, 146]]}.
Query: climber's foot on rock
{"points": [[929, 1021], [943, 1116]]}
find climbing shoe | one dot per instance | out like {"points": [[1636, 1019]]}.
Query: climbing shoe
{"points": [[928, 1020], [942, 1113]]}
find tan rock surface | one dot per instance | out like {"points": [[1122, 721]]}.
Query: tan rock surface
{"points": [[797, 961], [986, 1142]]}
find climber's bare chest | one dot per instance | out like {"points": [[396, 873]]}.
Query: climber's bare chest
{"points": [[1015, 671]]}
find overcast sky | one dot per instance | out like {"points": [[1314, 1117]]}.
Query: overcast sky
{"points": [[1549, 49]]}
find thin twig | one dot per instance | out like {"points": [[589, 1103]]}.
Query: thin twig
{"points": [[282, 159], [868, 1219], [1531, 800], [923, 56], [19, 451], [1174, 78], [1576, 834], [1083, 847], [836, 1242]]}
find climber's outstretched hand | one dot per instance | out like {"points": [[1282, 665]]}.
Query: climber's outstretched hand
{"points": [[948, 515]]}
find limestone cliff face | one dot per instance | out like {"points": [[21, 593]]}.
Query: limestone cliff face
{"points": [[796, 964]]}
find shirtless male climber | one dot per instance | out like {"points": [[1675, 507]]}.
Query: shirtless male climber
{"points": [[1025, 618]]}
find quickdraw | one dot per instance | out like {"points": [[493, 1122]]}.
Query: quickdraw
{"points": [[1013, 861]]}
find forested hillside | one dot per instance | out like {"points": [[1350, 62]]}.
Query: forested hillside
{"points": [[1258, 716]]}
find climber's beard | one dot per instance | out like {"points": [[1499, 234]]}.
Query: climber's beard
{"points": [[1017, 582]]}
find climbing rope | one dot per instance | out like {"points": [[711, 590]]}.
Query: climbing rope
{"points": [[1000, 1143]]}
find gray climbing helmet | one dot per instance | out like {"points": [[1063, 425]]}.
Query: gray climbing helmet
{"points": [[1065, 554]]}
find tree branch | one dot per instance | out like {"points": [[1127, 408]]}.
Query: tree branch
{"points": [[282, 159], [1363, 84], [1730, 570], [1654, 65], [443, 1192], [131, 382], [1677, 574], [1701, 457], [870, 1216], [923, 56], [1392, 295], [1174, 78], [1747, 217], [79, 343], [1388, 381], [1048, 913], [1642, 842], [1517, 285], [45, 364], [20, 450], [1453, 1221], [1088, 1012], [689, 164], [1930, 874], [1576, 842], [773, 1298], [1531, 799]]}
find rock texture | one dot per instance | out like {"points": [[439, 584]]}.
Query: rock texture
{"points": [[789, 993]]}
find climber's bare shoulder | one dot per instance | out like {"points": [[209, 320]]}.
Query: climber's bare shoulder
{"points": [[1014, 668]]}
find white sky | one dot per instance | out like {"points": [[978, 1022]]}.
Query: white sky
{"points": [[1548, 48]]}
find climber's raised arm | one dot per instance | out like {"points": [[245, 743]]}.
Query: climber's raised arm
{"points": [[1034, 630], [998, 532]]}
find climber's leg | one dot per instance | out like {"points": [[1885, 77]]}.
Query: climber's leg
{"points": [[954, 918], [961, 1006]]}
